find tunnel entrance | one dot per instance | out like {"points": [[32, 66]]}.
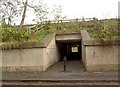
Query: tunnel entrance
{"points": [[69, 45], [71, 49]]}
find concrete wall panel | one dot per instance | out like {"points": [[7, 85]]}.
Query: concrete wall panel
{"points": [[32, 57], [11, 57]]}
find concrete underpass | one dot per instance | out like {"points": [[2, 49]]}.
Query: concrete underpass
{"points": [[69, 46]]}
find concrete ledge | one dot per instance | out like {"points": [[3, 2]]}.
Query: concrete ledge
{"points": [[85, 36], [48, 39], [68, 32], [101, 42]]}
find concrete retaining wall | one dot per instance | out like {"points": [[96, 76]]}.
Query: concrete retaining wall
{"points": [[25, 60], [39, 56], [35, 59], [99, 57]]}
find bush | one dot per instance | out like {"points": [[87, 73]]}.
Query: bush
{"points": [[104, 34], [15, 35]]}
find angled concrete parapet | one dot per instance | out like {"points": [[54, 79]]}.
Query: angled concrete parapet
{"points": [[98, 57], [34, 57]]}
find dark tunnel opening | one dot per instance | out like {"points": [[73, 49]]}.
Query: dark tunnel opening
{"points": [[70, 49]]}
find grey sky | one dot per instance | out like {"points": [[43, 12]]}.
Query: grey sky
{"points": [[82, 8]]}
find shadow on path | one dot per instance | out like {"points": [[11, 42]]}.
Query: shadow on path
{"points": [[72, 66]]}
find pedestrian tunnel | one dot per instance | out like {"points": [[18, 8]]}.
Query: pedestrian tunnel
{"points": [[69, 46]]}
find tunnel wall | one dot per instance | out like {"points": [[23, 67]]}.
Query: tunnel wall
{"points": [[50, 54]]}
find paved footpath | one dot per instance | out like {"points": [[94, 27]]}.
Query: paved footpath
{"points": [[61, 79], [75, 72], [61, 76], [55, 74]]}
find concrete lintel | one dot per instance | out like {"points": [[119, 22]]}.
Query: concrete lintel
{"points": [[68, 37]]}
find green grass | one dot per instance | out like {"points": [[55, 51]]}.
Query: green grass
{"points": [[41, 35], [34, 35]]}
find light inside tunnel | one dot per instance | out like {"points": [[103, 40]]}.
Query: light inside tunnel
{"points": [[74, 49]]}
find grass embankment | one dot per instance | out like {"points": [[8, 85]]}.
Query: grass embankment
{"points": [[13, 37], [105, 30], [98, 29]]}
